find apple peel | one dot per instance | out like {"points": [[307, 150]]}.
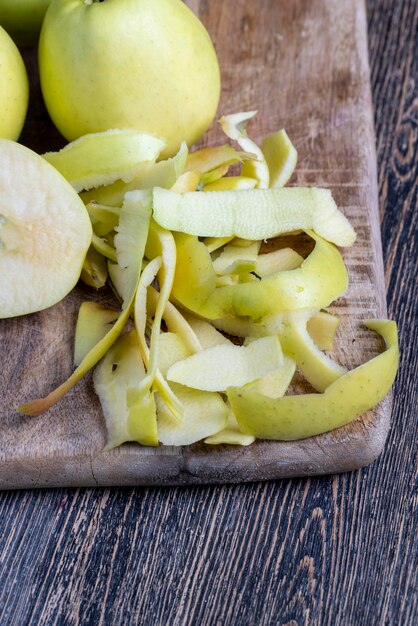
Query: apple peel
{"points": [[102, 158], [206, 334], [322, 328], [94, 272], [215, 368], [162, 174], [321, 278], [209, 159], [167, 261], [231, 183], [237, 259], [204, 413], [277, 261], [297, 417], [276, 383], [254, 214], [175, 321], [234, 127], [103, 218], [230, 435], [93, 323], [281, 157], [318, 369], [128, 416]]}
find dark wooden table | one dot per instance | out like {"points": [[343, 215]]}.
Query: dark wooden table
{"points": [[337, 550]]}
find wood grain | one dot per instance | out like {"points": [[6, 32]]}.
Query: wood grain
{"points": [[337, 551], [323, 99]]}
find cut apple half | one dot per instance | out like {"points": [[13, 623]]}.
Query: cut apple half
{"points": [[45, 232]]}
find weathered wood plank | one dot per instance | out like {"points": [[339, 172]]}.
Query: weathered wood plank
{"points": [[304, 65]]}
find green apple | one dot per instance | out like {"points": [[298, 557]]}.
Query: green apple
{"points": [[14, 88], [144, 64], [22, 19], [45, 232]]}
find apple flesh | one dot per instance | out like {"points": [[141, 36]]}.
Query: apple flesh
{"points": [[14, 88], [144, 64], [45, 232]]}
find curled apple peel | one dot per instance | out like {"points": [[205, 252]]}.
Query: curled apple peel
{"points": [[162, 174], [298, 417], [102, 158], [256, 214], [164, 386], [215, 368], [281, 157], [320, 279], [129, 415], [234, 126]]}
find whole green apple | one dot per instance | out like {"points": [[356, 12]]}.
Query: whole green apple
{"points": [[144, 64], [22, 19], [14, 88]]}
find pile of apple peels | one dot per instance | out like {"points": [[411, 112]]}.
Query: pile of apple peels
{"points": [[182, 245]]}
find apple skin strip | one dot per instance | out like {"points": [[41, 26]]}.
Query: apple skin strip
{"points": [[206, 334], [321, 278], [273, 385], [230, 435], [209, 159], [138, 223], [237, 259], [101, 158], [234, 127], [93, 324], [277, 261], [214, 243], [318, 369], [176, 322], [94, 272], [205, 413], [322, 328], [150, 355], [129, 416], [103, 247], [231, 183], [103, 218], [281, 157], [222, 366], [254, 214], [213, 177], [189, 181], [297, 417], [162, 174]]}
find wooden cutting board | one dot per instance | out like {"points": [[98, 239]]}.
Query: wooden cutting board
{"points": [[304, 65]]}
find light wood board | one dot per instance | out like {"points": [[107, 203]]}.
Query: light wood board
{"points": [[304, 65]]}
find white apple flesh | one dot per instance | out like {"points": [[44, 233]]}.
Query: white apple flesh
{"points": [[143, 64], [45, 232]]}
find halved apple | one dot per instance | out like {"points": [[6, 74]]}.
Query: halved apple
{"points": [[45, 232]]}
